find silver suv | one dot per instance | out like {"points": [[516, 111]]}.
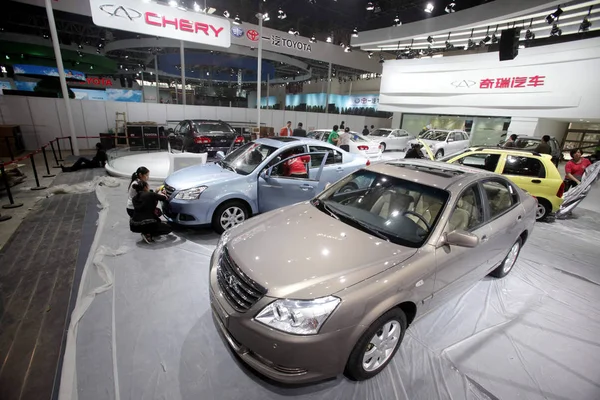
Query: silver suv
{"points": [[327, 286]]}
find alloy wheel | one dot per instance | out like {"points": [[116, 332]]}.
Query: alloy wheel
{"points": [[511, 258], [540, 211], [231, 217], [381, 346]]}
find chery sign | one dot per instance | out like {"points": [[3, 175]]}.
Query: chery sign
{"points": [[163, 21]]}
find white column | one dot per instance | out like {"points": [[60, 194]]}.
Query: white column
{"points": [[268, 89], [157, 82], [182, 54], [259, 71], [328, 90], [61, 75]]}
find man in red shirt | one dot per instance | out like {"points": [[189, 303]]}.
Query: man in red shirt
{"points": [[576, 167]]}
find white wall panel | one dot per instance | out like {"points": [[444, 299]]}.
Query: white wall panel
{"points": [[78, 122], [207, 112], [239, 114], [192, 112], [266, 117], [290, 116], [111, 108], [174, 112], [278, 119], [95, 116], [16, 111], [157, 112], [312, 121], [45, 120], [137, 112], [223, 113], [323, 121]]}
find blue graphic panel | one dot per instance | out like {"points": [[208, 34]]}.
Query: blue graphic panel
{"points": [[23, 69]]}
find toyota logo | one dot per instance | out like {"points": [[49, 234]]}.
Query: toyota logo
{"points": [[463, 84], [252, 35], [121, 12]]}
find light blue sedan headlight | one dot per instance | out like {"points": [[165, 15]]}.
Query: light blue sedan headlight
{"points": [[190, 194]]}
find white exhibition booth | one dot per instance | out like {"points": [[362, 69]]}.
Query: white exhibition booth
{"points": [[542, 89]]}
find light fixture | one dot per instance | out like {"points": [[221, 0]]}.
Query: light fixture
{"points": [[226, 14], [370, 6], [237, 20], [555, 31], [91, 67], [554, 16], [292, 31], [429, 8], [281, 14], [196, 7], [381, 59], [450, 8], [397, 20], [529, 35], [348, 49], [586, 24], [355, 32], [329, 39], [313, 39], [430, 39], [370, 54], [266, 17], [80, 46], [7, 57], [173, 3], [487, 37]]}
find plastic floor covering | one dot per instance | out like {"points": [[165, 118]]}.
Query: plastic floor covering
{"points": [[142, 327]]}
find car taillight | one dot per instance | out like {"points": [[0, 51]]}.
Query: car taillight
{"points": [[363, 148], [368, 162], [380, 147], [561, 190], [239, 139], [202, 140]]}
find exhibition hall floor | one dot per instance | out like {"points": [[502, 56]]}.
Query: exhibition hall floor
{"points": [[142, 327]]}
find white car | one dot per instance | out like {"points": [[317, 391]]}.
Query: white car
{"points": [[359, 144], [443, 142], [391, 139]]}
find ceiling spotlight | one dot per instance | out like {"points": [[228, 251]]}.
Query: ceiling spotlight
{"points": [[348, 49], [529, 35], [281, 14], [554, 16], [292, 31], [237, 20], [266, 17], [196, 7], [370, 6], [555, 31], [429, 8], [430, 39], [381, 60], [226, 14], [470, 44], [494, 38], [397, 20], [484, 41], [313, 39], [173, 3], [370, 54], [355, 32], [585, 25], [449, 46], [329, 39], [80, 46], [450, 8]]}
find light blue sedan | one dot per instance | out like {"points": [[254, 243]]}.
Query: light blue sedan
{"points": [[252, 180]]}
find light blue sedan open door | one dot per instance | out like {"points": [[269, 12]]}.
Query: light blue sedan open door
{"points": [[276, 191]]}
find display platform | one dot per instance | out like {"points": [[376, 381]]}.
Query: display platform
{"points": [[145, 329], [160, 163]]}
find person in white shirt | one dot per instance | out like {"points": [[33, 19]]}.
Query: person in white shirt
{"points": [[345, 138], [141, 174]]}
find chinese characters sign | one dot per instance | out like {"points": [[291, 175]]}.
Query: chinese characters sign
{"points": [[512, 83]]}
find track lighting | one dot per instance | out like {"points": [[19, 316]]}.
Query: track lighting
{"points": [[429, 8], [370, 54], [381, 59], [265, 17], [313, 39], [281, 14], [355, 32], [196, 7], [585, 25], [370, 6], [237, 20], [329, 39], [494, 38], [348, 49], [430, 39], [484, 41], [449, 46], [397, 21], [470, 44], [529, 35], [173, 3], [226, 14], [555, 31], [450, 8], [554, 16], [292, 31]]}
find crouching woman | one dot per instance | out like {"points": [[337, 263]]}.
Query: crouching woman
{"points": [[146, 218]]}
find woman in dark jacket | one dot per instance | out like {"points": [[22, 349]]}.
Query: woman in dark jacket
{"points": [[145, 219]]}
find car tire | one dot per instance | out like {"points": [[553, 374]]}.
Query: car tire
{"points": [[509, 261], [383, 146], [543, 210], [395, 319], [439, 154], [348, 187], [232, 211]]}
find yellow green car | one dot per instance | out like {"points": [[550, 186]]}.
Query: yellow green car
{"points": [[531, 171]]}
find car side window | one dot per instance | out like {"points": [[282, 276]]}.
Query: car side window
{"points": [[524, 166], [325, 136], [484, 161], [501, 197], [334, 156], [458, 136], [177, 129], [283, 164], [468, 211], [185, 128], [401, 133]]}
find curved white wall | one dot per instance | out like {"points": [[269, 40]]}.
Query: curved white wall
{"points": [[455, 85]]}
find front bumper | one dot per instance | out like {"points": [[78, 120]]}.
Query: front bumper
{"points": [[282, 357], [187, 212]]}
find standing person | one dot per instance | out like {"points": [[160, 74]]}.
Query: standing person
{"points": [[372, 128], [544, 146], [342, 125], [334, 137], [299, 131], [366, 131], [575, 168], [141, 174], [145, 219], [286, 130], [99, 161], [511, 141], [344, 140]]}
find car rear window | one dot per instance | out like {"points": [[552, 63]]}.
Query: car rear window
{"points": [[212, 126], [524, 166]]}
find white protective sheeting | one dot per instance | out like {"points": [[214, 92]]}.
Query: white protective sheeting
{"points": [[145, 328]]}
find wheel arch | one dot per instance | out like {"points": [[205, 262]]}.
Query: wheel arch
{"points": [[230, 199]]}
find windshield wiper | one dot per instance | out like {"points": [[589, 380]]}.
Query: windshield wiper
{"points": [[371, 229], [226, 165], [322, 206]]}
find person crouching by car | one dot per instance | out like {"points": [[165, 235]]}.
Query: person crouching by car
{"points": [[575, 168], [146, 217], [296, 167], [414, 151], [141, 174], [344, 141]]}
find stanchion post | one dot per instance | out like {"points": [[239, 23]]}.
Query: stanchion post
{"points": [[4, 217], [7, 185], [59, 152], [35, 174], [48, 174], [54, 153], [9, 147], [71, 144]]}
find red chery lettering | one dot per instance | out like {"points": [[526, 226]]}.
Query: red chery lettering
{"points": [[181, 24]]}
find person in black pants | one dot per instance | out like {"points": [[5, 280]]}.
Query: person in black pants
{"points": [[146, 218], [99, 161]]}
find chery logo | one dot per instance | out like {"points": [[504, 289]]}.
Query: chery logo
{"points": [[463, 84], [181, 24], [252, 35], [119, 11]]}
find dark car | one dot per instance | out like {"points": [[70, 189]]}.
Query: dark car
{"points": [[206, 136], [531, 143]]}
